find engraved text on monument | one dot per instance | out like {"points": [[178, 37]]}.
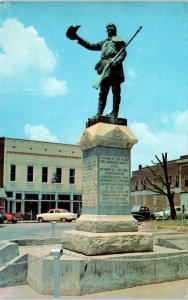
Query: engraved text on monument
{"points": [[90, 188], [114, 180]]}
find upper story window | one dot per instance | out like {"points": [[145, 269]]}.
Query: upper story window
{"points": [[58, 175], [44, 174], [136, 185], [72, 176], [30, 174], [13, 173], [186, 180], [177, 181], [144, 183]]}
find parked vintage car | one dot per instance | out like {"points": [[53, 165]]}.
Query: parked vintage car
{"points": [[3, 218], [56, 214], [141, 212], [166, 215], [10, 216]]}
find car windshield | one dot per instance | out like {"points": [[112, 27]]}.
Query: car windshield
{"points": [[139, 208], [167, 209], [136, 208]]}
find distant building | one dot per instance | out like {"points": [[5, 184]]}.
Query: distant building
{"points": [[178, 173], [36, 176]]}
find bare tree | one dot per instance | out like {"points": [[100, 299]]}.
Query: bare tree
{"points": [[161, 184]]}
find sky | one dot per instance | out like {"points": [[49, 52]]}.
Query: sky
{"points": [[46, 91]]}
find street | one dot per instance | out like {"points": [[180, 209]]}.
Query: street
{"points": [[26, 230]]}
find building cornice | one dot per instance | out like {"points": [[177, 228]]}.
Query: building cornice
{"points": [[43, 154]]}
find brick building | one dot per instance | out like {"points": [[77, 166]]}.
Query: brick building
{"points": [[178, 174], [36, 176]]}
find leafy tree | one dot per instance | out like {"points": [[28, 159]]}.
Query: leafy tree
{"points": [[161, 184]]}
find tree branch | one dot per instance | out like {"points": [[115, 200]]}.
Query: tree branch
{"points": [[159, 177], [165, 189], [155, 187], [156, 191]]}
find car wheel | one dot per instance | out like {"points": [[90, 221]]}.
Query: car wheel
{"points": [[63, 220], [14, 221], [40, 220]]}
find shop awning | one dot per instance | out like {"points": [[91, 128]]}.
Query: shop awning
{"points": [[2, 193]]}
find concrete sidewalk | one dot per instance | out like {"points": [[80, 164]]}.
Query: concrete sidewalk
{"points": [[174, 289]]}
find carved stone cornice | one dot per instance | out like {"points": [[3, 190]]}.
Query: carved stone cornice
{"points": [[109, 135]]}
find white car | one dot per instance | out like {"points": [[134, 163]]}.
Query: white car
{"points": [[165, 214], [56, 214]]}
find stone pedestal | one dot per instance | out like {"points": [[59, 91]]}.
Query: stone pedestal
{"points": [[106, 169], [90, 243], [106, 226]]}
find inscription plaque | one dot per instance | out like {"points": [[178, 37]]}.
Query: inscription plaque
{"points": [[90, 186], [106, 181], [114, 181]]}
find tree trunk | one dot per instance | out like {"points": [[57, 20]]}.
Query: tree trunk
{"points": [[172, 208]]}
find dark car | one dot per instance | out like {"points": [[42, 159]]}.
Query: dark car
{"points": [[3, 218], [141, 212]]}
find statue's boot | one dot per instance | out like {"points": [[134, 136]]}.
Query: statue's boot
{"points": [[115, 110], [111, 115], [100, 110], [114, 113]]}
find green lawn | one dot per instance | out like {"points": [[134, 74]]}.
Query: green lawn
{"points": [[170, 224]]}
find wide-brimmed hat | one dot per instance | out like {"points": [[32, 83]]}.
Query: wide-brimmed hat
{"points": [[71, 32]]}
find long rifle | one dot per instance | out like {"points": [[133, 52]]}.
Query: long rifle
{"points": [[101, 77]]}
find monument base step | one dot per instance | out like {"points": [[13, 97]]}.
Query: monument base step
{"points": [[83, 275], [107, 223], [90, 243]]}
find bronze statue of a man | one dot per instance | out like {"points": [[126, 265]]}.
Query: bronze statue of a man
{"points": [[114, 75]]}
